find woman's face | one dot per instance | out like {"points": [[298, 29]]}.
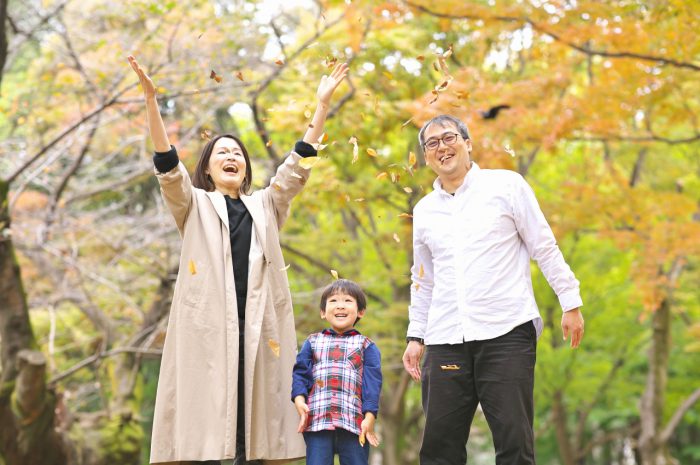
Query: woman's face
{"points": [[227, 166]]}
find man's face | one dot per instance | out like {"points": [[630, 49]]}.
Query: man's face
{"points": [[448, 161]]}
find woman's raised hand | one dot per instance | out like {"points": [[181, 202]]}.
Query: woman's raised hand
{"points": [[330, 83], [149, 89]]}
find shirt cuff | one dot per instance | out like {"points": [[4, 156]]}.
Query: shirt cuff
{"points": [[305, 149], [570, 300], [166, 161]]}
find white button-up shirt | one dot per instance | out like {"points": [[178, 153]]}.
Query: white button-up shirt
{"points": [[471, 260]]}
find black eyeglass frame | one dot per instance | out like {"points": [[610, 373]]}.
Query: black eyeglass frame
{"points": [[441, 138]]}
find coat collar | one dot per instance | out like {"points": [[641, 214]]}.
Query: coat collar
{"points": [[332, 332], [258, 215]]}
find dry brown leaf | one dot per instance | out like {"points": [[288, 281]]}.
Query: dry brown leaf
{"points": [[193, 268], [371, 152], [411, 159], [421, 271], [307, 114], [360, 199], [268, 143], [286, 267], [405, 215], [308, 162], [405, 123], [396, 237], [279, 62], [362, 439], [510, 151], [408, 190], [205, 134], [277, 186], [239, 75], [420, 58], [215, 76], [381, 175]]}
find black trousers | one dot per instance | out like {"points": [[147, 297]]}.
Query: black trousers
{"points": [[498, 373]]}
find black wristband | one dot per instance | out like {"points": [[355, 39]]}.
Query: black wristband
{"points": [[417, 339], [305, 149], [166, 161]]}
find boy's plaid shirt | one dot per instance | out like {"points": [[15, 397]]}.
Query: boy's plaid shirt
{"points": [[335, 400]]}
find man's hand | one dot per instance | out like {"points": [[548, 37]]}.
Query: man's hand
{"points": [[367, 430], [572, 323], [303, 411], [411, 359]]}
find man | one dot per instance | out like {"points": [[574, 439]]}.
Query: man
{"points": [[472, 305]]}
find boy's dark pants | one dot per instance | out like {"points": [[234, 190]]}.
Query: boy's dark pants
{"points": [[498, 373]]}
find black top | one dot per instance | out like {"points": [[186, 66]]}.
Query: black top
{"points": [[240, 223], [240, 226]]}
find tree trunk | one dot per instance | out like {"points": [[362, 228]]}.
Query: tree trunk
{"points": [[651, 450], [27, 435]]}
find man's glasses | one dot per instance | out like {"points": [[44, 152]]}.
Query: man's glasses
{"points": [[449, 138]]}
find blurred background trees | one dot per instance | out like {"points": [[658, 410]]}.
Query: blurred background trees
{"points": [[596, 103]]}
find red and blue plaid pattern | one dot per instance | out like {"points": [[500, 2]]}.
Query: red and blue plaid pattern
{"points": [[335, 400]]}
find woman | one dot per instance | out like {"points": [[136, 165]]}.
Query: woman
{"points": [[222, 395]]}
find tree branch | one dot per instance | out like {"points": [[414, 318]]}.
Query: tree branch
{"points": [[678, 415]]}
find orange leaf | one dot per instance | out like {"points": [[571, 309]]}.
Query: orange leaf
{"points": [[274, 346], [371, 152], [193, 268], [239, 75], [381, 175], [215, 76]]}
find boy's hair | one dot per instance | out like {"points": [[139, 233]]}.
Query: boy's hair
{"points": [[344, 286]]}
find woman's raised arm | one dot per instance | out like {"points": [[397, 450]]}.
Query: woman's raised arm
{"points": [[324, 93], [155, 121]]}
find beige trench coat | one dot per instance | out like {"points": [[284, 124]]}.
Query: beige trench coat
{"points": [[195, 411]]}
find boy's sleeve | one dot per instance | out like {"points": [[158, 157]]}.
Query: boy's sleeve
{"points": [[371, 380], [302, 377]]}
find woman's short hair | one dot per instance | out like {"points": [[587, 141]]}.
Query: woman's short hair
{"points": [[344, 286], [202, 180]]}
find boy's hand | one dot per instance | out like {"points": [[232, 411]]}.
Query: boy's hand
{"points": [[303, 411], [330, 83], [367, 430]]}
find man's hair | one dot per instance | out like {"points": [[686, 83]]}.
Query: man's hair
{"points": [[344, 286], [440, 121], [203, 181]]}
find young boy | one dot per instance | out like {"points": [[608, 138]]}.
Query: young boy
{"points": [[336, 382]]}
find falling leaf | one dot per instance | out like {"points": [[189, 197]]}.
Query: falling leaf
{"points": [[371, 152], [396, 237], [417, 286], [362, 439], [296, 175], [411, 159], [308, 162], [307, 114], [361, 199], [448, 52], [408, 190], [461, 95], [215, 76], [406, 122], [355, 149], [509, 150], [323, 138], [334, 274], [394, 177], [320, 383], [193, 268], [405, 215], [200, 35], [205, 134], [381, 175], [239, 75], [420, 58], [274, 346], [311, 125], [421, 271], [286, 267], [279, 62], [277, 186], [388, 75], [268, 143], [330, 61]]}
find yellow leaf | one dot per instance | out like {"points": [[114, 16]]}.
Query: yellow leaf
{"points": [[509, 150], [286, 267], [371, 152], [396, 237], [362, 439], [405, 215], [411, 159], [421, 271], [307, 114], [417, 286], [308, 162], [361, 199], [334, 274], [355, 149], [407, 190], [277, 186], [268, 143], [381, 175], [193, 268], [274, 346], [388, 75]]}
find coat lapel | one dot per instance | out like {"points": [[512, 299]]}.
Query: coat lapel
{"points": [[258, 214], [219, 202]]}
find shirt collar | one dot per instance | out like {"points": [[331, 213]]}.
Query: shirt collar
{"points": [[468, 180], [332, 332]]}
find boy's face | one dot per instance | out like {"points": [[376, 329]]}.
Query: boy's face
{"points": [[341, 312]]}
